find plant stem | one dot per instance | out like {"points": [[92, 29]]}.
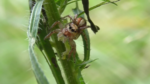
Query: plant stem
{"points": [[72, 73], [50, 56]]}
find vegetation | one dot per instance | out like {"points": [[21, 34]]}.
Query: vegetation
{"points": [[121, 46]]}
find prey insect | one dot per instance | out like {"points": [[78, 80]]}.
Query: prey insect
{"points": [[69, 33]]}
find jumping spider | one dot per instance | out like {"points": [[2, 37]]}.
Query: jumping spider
{"points": [[70, 33]]}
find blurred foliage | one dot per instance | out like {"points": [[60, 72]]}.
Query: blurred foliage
{"points": [[121, 46]]}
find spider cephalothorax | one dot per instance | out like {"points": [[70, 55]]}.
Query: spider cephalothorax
{"points": [[71, 32]]}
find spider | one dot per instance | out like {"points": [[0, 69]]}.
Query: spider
{"points": [[69, 33]]}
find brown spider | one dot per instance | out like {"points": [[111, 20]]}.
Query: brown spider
{"points": [[70, 33]]}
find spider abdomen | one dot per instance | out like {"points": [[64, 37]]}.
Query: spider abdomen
{"points": [[80, 22]]}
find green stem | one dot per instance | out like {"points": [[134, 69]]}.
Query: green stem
{"points": [[72, 73], [98, 5], [50, 56]]}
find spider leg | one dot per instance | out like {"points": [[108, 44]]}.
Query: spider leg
{"points": [[58, 22], [73, 48], [65, 40], [68, 17], [54, 24], [75, 17], [82, 28], [53, 32]]}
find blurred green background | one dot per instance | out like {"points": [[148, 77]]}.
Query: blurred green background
{"points": [[122, 46]]}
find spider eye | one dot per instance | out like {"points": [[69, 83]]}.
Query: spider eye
{"points": [[70, 27], [72, 30]]}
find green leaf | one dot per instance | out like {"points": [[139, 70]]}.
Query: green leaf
{"points": [[34, 19], [31, 4], [32, 34], [87, 62], [40, 77]]}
